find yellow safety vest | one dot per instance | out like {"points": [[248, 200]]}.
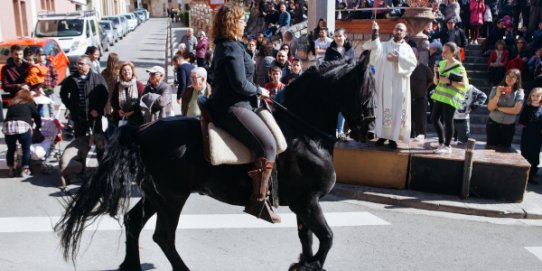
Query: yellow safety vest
{"points": [[449, 94]]}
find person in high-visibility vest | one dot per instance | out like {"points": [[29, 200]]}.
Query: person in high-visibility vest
{"points": [[452, 82]]}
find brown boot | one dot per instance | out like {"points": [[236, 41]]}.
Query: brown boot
{"points": [[258, 205]]}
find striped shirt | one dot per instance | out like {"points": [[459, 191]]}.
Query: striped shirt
{"points": [[15, 127], [81, 90]]}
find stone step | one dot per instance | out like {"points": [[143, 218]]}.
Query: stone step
{"points": [[475, 59], [480, 82], [476, 53], [473, 47], [475, 66], [477, 73]]}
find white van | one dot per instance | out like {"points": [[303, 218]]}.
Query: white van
{"points": [[74, 31]]}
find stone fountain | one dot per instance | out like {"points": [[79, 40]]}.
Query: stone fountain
{"points": [[417, 18]]}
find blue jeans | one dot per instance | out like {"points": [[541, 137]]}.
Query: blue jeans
{"points": [[11, 141], [340, 124]]}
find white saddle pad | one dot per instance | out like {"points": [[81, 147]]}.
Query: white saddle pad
{"points": [[225, 149]]}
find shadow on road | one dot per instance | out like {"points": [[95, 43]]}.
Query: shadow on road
{"points": [[144, 266]]}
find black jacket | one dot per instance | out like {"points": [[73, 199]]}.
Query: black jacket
{"points": [[25, 112], [456, 35], [96, 95], [333, 54], [233, 77], [183, 78], [13, 76]]}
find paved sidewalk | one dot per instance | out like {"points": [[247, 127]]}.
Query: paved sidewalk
{"points": [[530, 208]]}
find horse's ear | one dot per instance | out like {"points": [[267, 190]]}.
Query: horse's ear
{"points": [[364, 58]]}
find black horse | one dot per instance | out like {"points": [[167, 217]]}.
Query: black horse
{"points": [[165, 159]]}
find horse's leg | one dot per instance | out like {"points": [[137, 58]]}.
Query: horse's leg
{"points": [[166, 225], [134, 222], [310, 212], [305, 236]]}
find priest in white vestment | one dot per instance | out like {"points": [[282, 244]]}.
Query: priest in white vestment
{"points": [[394, 61]]}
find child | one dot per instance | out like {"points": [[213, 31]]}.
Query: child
{"points": [[473, 98], [531, 139], [534, 63], [275, 73], [36, 75]]}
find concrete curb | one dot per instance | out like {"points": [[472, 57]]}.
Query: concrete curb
{"points": [[436, 202]]}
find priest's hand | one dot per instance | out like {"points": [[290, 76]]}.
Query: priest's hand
{"points": [[393, 57], [375, 25]]}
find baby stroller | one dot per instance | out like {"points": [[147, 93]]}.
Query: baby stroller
{"points": [[48, 147]]}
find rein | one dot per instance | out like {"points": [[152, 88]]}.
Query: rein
{"points": [[294, 116]]}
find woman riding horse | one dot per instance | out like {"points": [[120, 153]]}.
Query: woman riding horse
{"points": [[166, 161], [233, 101]]}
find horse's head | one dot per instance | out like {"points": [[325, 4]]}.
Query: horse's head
{"points": [[356, 99]]}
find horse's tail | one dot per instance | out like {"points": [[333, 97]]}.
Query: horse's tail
{"points": [[106, 192]]}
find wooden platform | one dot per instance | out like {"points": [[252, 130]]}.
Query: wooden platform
{"points": [[367, 164], [497, 174]]}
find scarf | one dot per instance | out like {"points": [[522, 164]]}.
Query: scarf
{"points": [[127, 89]]}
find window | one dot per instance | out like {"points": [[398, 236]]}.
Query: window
{"points": [[93, 27]]}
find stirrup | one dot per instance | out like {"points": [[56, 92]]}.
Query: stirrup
{"points": [[262, 210]]}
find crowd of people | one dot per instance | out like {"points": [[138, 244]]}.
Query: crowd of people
{"points": [[114, 92], [513, 42], [88, 94]]}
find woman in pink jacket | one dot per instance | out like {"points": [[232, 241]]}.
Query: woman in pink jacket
{"points": [[201, 49], [477, 8]]}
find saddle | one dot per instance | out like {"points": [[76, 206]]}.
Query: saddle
{"points": [[221, 148]]}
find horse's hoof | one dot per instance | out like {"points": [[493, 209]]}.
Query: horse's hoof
{"points": [[294, 267]]}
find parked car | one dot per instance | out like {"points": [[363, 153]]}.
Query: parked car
{"points": [[139, 20], [125, 25], [74, 31], [104, 40], [51, 47], [110, 30], [141, 15], [117, 24], [132, 21], [146, 12]]}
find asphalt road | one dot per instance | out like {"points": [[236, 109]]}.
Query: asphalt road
{"points": [[215, 236]]}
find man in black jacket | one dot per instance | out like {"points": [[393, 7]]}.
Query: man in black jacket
{"points": [[84, 93], [452, 33]]}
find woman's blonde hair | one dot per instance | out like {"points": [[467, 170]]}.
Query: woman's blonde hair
{"points": [[127, 63], [22, 96], [533, 91], [226, 22]]}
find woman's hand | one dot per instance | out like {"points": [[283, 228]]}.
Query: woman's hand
{"points": [[499, 91], [444, 80], [264, 92]]}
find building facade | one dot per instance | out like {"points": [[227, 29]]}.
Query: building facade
{"points": [[18, 17]]}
